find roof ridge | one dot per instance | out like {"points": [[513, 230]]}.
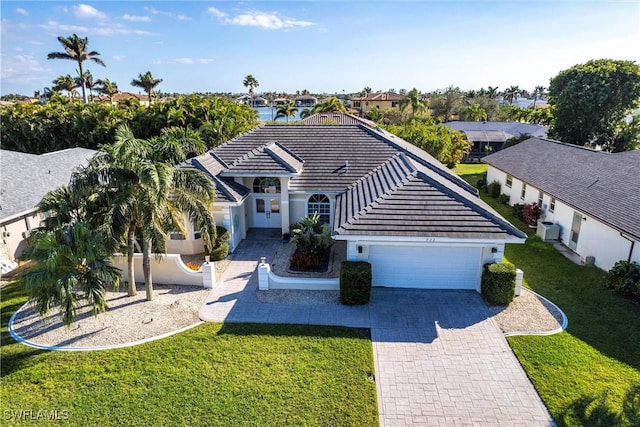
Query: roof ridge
{"points": [[289, 152]]}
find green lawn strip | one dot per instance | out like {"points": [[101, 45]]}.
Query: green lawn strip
{"points": [[590, 374], [214, 374]]}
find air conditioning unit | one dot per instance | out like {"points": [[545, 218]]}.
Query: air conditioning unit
{"points": [[548, 230]]}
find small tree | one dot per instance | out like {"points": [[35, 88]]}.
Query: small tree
{"points": [[531, 214]]}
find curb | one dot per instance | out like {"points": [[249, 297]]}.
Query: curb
{"points": [[565, 322]]}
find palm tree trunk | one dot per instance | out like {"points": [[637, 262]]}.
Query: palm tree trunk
{"points": [[84, 90], [146, 268], [131, 241]]}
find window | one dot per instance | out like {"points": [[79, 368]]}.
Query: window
{"points": [[394, 104], [266, 185], [197, 234], [540, 194], [552, 205], [524, 191], [509, 182], [176, 235], [320, 204]]}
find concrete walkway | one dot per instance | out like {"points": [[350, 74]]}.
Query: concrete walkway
{"points": [[439, 358]]}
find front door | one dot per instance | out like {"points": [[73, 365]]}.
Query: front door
{"points": [[266, 211], [575, 230]]}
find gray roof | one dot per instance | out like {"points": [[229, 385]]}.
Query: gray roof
{"points": [[376, 175], [496, 131], [602, 185], [227, 190], [26, 178]]}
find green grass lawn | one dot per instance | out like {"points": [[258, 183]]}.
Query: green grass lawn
{"points": [[214, 374], [588, 375]]}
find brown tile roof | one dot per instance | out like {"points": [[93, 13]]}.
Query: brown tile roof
{"points": [[380, 96], [336, 118]]}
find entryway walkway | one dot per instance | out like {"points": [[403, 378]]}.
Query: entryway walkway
{"points": [[439, 358]]}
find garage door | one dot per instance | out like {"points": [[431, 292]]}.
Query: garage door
{"points": [[426, 267]]}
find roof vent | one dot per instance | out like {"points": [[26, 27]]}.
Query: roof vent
{"points": [[346, 164]]}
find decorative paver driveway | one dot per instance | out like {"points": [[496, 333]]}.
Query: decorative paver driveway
{"points": [[440, 360]]}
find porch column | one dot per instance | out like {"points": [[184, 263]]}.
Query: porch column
{"points": [[284, 203]]}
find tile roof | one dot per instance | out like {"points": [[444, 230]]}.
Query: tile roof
{"points": [[602, 185], [380, 96], [496, 131], [227, 190], [385, 185], [26, 178], [336, 118]]}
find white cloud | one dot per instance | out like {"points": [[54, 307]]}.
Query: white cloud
{"points": [[103, 30], [179, 17], [20, 69], [86, 11], [21, 11], [55, 27], [136, 18], [216, 12], [185, 61], [118, 57], [269, 21]]}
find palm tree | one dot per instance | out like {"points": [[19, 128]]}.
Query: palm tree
{"points": [[148, 196], [107, 87], [492, 92], [86, 80], [75, 49], [413, 100], [147, 82], [538, 92], [71, 259], [305, 113], [329, 106], [67, 83], [511, 93], [251, 83], [475, 113], [286, 110]]}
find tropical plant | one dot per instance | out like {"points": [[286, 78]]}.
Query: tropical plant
{"points": [[531, 214], [538, 93], [251, 83], [329, 106], [148, 196], [147, 82], [492, 92], [447, 104], [511, 93], [66, 83], [287, 110], [624, 278], [75, 49], [474, 113], [107, 87], [86, 80], [305, 113], [71, 264], [414, 101], [313, 243]]}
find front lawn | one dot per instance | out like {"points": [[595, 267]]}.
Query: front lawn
{"points": [[214, 374], [589, 374]]}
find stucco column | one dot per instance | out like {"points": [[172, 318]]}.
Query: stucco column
{"points": [[284, 204], [208, 275], [263, 276], [519, 277]]}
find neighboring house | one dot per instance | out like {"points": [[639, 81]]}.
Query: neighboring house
{"points": [[489, 137], [336, 118], [592, 195], [122, 96], [381, 100], [281, 101], [419, 224], [305, 101], [24, 180]]}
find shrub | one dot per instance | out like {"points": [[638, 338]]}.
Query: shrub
{"points": [[355, 282], [518, 210], [624, 278], [493, 189], [221, 247], [305, 262], [193, 266], [504, 199], [498, 283], [481, 184], [531, 213]]}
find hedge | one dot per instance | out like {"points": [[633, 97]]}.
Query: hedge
{"points": [[355, 282], [498, 283], [493, 189], [624, 278]]}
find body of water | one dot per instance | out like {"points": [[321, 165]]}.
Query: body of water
{"points": [[266, 114]]}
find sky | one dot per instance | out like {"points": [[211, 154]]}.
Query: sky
{"points": [[323, 46]]}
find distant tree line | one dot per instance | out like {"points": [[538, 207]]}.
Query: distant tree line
{"points": [[62, 123]]}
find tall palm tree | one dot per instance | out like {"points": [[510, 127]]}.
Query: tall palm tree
{"points": [[148, 197], [492, 92], [251, 83], [413, 100], [305, 113], [511, 93], [75, 49], [147, 82], [107, 87], [538, 92], [286, 110], [70, 264], [329, 106], [67, 83], [86, 81]]}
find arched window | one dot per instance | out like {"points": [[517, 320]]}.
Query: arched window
{"points": [[266, 185], [320, 204]]}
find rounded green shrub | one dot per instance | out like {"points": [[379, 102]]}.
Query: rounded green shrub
{"points": [[624, 278], [493, 189], [498, 283]]}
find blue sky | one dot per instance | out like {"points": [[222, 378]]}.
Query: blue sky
{"points": [[322, 46]]}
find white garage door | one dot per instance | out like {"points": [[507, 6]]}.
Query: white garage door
{"points": [[426, 267]]}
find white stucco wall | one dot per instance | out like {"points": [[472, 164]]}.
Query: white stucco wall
{"points": [[596, 238], [168, 270], [13, 232]]}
